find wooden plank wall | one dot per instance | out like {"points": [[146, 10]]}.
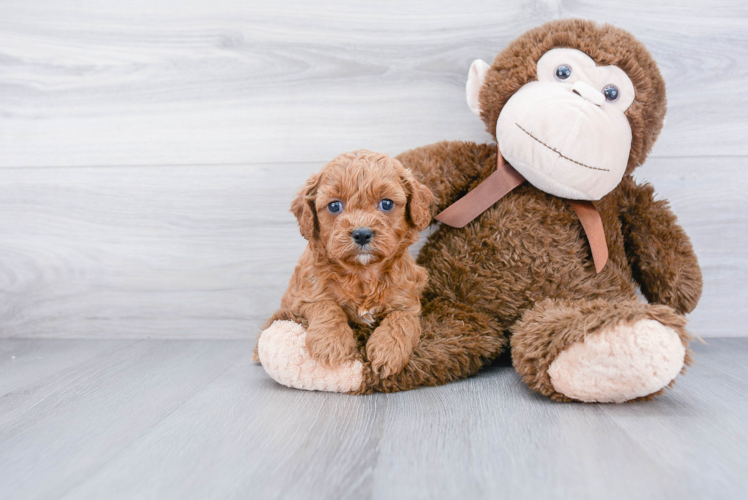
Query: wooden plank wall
{"points": [[149, 149]]}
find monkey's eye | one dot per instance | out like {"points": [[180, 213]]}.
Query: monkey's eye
{"points": [[335, 207], [563, 72], [386, 205], [611, 93]]}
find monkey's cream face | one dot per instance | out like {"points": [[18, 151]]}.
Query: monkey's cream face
{"points": [[567, 133]]}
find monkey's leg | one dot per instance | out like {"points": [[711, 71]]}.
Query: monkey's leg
{"points": [[456, 342], [282, 351], [279, 315], [599, 351]]}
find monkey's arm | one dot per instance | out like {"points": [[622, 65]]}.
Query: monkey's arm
{"points": [[660, 252], [450, 168]]}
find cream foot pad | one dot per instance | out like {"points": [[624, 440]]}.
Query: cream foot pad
{"points": [[282, 350], [620, 363]]}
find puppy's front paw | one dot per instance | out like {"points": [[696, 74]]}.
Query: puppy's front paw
{"points": [[388, 353], [330, 347]]}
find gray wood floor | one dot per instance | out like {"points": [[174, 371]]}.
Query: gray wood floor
{"points": [[149, 149], [197, 419]]}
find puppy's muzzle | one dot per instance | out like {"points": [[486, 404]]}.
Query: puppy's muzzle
{"points": [[362, 235]]}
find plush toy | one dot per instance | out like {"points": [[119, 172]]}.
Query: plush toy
{"points": [[542, 246]]}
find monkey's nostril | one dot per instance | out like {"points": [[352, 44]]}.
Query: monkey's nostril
{"points": [[362, 235], [588, 92]]}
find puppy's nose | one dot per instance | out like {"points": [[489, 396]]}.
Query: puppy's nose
{"points": [[362, 235]]}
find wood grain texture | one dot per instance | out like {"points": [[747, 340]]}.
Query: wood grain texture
{"points": [[206, 252], [24, 362], [164, 82], [140, 252], [81, 416], [149, 149], [196, 419]]}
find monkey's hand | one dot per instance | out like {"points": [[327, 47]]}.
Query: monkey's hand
{"points": [[660, 252]]}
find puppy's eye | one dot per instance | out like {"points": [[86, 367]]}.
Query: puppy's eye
{"points": [[563, 72], [386, 205], [335, 207]]}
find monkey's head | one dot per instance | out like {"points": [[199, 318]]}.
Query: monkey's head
{"points": [[572, 104]]}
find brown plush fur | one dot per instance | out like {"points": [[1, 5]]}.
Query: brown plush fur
{"points": [[524, 267], [607, 45], [338, 283], [572, 321]]}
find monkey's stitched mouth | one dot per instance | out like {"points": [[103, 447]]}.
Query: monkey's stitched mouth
{"points": [[559, 152]]}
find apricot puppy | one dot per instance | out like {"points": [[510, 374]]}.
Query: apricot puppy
{"points": [[360, 214]]}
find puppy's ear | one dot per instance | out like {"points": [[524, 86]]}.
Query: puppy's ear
{"points": [[420, 199], [304, 209]]}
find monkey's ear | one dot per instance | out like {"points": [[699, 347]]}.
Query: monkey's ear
{"points": [[304, 209], [420, 199], [476, 75]]}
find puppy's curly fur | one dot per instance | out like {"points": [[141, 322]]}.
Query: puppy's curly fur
{"points": [[521, 276], [338, 283]]}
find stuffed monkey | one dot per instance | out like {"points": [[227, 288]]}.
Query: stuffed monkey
{"points": [[546, 237]]}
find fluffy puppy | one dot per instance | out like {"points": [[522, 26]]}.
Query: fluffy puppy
{"points": [[360, 214]]}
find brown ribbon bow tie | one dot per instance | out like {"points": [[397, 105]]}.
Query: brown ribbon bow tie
{"points": [[501, 182]]}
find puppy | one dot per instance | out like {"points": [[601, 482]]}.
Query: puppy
{"points": [[360, 214]]}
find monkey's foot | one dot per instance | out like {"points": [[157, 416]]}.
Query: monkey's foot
{"points": [[620, 363], [282, 351]]}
